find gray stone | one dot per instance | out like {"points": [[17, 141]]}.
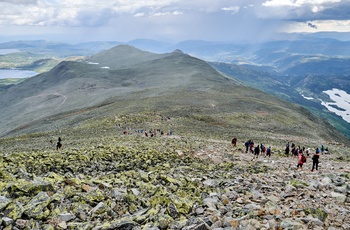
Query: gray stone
{"points": [[4, 202], [135, 191], [98, 209], [7, 221], [339, 197], [211, 183], [292, 225], [66, 217], [326, 181]]}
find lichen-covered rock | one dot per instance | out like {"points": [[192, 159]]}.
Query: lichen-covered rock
{"points": [[122, 224], [173, 211], [132, 182], [98, 209], [317, 213], [4, 202], [14, 210], [37, 207], [24, 188], [163, 221], [183, 204], [22, 224]]}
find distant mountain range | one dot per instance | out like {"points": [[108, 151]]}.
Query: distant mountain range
{"points": [[298, 70], [125, 80]]}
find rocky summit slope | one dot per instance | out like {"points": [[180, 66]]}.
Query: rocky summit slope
{"points": [[105, 179]]}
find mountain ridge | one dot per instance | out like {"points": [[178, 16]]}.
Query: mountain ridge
{"points": [[175, 84]]}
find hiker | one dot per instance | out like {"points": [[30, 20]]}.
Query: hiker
{"points": [[251, 146], [315, 158], [263, 150], [301, 160], [256, 152], [287, 150], [326, 150], [247, 144], [268, 152], [234, 141], [294, 152], [59, 145], [287, 145], [307, 151]]}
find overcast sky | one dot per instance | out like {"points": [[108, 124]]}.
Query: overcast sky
{"points": [[168, 20]]}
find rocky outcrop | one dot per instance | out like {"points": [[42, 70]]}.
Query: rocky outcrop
{"points": [[147, 184]]}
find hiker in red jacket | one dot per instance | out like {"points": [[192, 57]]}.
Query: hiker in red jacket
{"points": [[301, 160]]}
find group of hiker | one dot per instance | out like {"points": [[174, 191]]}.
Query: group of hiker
{"points": [[58, 144], [149, 133], [145, 132], [301, 153], [257, 150]]}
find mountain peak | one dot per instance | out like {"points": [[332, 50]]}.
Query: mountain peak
{"points": [[122, 56], [178, 51]]}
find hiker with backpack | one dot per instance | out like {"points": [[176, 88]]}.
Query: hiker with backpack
{"points": [[268, 152], [256, 152], [301, 160]]}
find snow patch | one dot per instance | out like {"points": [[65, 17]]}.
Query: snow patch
{"points": [[341, 100], [93, 63], [307, 98]]}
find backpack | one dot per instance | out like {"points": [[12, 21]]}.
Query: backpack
{"points": [[303, 159]]}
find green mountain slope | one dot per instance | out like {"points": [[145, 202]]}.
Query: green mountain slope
{"points": [[127, 81]]}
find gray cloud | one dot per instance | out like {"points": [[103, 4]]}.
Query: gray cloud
{"points": [[173, 19], [23, 2], [94, 18], [340, 11], [306, 10]]}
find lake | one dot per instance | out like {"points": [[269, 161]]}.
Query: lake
{"points": [[16, 73]]}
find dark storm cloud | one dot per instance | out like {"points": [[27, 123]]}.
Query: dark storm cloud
{"points": [[340, 11], [309, 24]]}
